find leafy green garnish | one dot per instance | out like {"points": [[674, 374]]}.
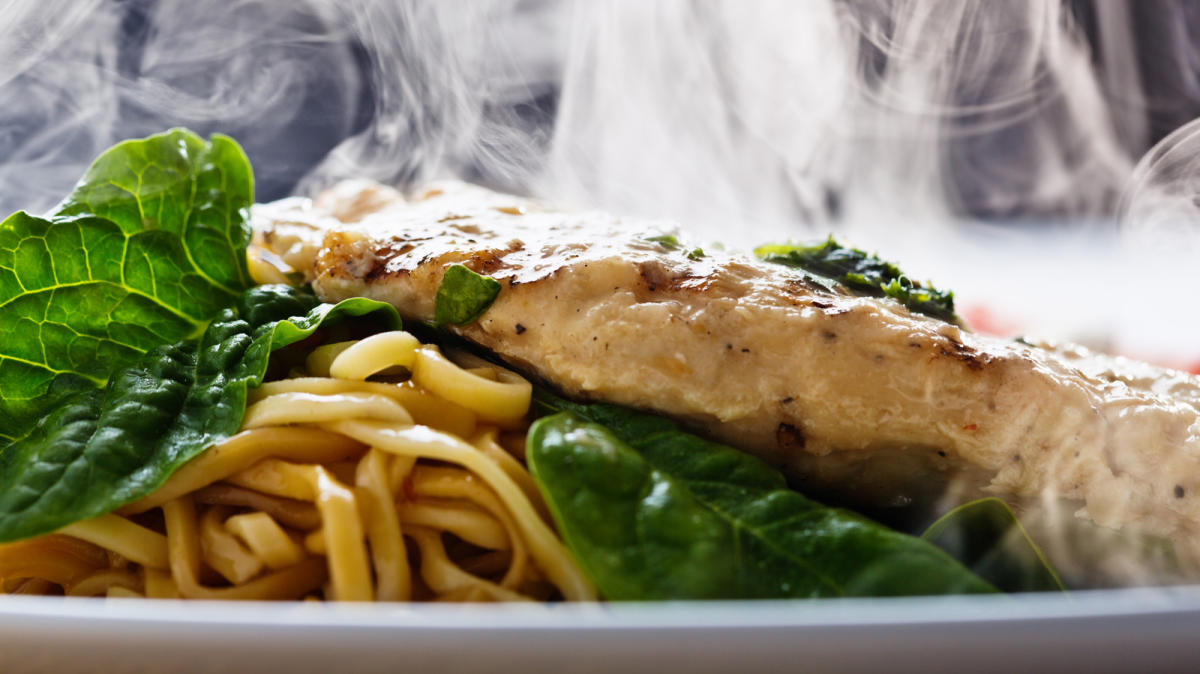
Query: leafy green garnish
{"points": [[149, 246], [986, 536], [463, 296], [668, 241], [671, 242], [102, 449], [651, 512], [128, 329], [863, 273], [177, 183]]}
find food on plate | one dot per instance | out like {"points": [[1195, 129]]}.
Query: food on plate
{"points": [[843, 390], [311, 497], [468, 396], [159, 439]]}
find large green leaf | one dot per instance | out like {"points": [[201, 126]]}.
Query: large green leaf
{"points": [[128, 337], [987, 537], [652, 512], [146, 250], [176, 182], [101, 449]]}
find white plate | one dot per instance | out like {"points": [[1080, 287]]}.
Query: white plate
{"points": [[1136, 630]]}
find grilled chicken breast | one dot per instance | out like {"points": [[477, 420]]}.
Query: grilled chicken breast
{"points": [[857, 393]]}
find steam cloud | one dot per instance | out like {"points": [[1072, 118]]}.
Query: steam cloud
{"points": [[704, 111], [899, 117]]}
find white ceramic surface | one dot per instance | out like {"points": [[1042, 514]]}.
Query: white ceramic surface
{"points": [[1142, 630]]}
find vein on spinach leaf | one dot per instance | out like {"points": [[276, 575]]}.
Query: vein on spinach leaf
{"points": [[986, 536], [145, 251], [651, 512]]}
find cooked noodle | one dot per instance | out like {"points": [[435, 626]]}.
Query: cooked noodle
{"points": [[336, 488]]}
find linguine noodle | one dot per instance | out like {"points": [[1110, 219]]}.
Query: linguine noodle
{"points": [[336, 488]]}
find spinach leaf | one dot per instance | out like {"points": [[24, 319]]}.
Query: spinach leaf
{"points": [[149, 246], [463, 296], [863, 273], [101, 449], [176, 182], [986, 536], [128, 337], [651, 512]]}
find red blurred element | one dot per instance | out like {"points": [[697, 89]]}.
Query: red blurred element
{"points": [[971, 427], [985, 321], [1194, 368]]}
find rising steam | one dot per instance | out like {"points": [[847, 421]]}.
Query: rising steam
{"points": [[809, 112], [894, 116], [706, 112]]}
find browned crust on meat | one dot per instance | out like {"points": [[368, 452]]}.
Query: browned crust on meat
{"points": [[827, 385]]}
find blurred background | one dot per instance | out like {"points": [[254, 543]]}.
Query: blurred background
{"points": [[1036, 156]]}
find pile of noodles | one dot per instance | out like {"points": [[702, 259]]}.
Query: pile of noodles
{"points": [[338, 488]]}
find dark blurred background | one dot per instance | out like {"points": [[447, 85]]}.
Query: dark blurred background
{"points": [[1162, 91]]}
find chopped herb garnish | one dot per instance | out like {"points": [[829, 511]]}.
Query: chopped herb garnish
{"points": [[463, 296], [671, 242], [863, 273], [667, 241]]}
